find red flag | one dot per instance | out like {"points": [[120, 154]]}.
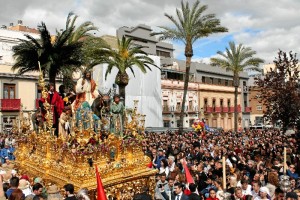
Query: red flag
{"points": [[149, 165], [188, 175], [100, 189]]}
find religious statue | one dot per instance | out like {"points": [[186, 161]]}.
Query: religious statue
{"points": [[65, 123], [83, 114], [56, 103], [117, 112], [86, 90]]}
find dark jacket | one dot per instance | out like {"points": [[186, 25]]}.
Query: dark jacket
{"points": [[194, 196], [173, 196], [71, 198], [142, 196]]}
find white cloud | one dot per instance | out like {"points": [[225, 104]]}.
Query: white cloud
{"points": [[277, 22]]}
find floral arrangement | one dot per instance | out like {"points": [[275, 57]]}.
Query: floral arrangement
{"points": [[198, 125]]}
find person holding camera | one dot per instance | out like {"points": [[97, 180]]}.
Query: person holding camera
{"points": [[162, 184]]}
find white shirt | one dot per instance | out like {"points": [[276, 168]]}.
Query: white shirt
{"points": [[178, 196]]}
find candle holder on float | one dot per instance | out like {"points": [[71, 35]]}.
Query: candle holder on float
{"points": [[71, 159]]}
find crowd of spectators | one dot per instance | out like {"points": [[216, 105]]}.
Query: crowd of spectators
{"points": [[254, 167], [254, 164]]}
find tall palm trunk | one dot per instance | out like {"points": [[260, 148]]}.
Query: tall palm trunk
{"points": [[236, 85], [188, 55], [68, 82], [122, 80], [52, 78]]}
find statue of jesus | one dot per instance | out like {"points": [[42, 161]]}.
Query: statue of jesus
{"points": [[86, 90]]}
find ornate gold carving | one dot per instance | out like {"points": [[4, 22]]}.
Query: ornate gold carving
{"points": [[121, 162]]}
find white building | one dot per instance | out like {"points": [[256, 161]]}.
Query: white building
{"points": [[15, 91]]}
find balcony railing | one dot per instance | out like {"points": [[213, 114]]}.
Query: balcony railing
{"points": [[10, 104], [247, 109], [225, 110], [208, 109], [217, 109], [231, 109]]}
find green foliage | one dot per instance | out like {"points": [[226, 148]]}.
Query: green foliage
{"points": [[53, 54], [126, 56], [279, 90], [190, 24], [237, 59]]}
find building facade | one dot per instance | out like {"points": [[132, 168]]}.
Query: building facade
{"points": [[210, 92], [17, 92], [210, 96]]}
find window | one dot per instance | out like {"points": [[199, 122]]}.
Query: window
{"points": [[190, 105], [38, 92], [165, 105], [166, 123], [219, 81], [7, 123], [211, 80], [205, 102], [258, 107], [228, 103], [226, 82], [203, 79], [178, 106], [214, 104], [221, 102], [191, 122], [163, 53], [9, 91], [178, 123]]}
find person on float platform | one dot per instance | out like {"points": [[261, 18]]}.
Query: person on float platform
{"points": [[57, 106], [86, 90]]}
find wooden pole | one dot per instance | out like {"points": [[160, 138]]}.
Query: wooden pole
{"points": [[284, 161], [224, 172]]}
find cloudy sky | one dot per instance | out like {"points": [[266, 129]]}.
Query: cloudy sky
{"points": [[265, 26]]}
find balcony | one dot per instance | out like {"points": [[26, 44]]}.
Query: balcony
{"points": [[224, 109], [208, 109], [247, 109], [167, 109], [217, 109], [10, 104], [231, 109]]}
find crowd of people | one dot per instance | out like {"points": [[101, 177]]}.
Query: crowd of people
{"points": [[254, 164], [254, 167]]}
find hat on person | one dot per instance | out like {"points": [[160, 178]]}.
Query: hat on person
{"points": [[52, 189], [292, 195], [23, 184], [24, 176], [38, 180], [13, 172], [265, 190], [25, 187]]}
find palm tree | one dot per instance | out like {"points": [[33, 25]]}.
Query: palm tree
{"points": [[126, 57], [82, 33], [237, 59], [54, 54], [191, 24]]}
